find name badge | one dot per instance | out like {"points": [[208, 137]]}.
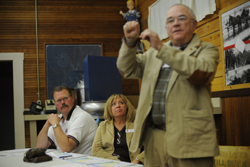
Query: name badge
{"points": [[129, 130]]}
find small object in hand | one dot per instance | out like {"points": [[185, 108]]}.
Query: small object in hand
{"points": [[36, 155]]}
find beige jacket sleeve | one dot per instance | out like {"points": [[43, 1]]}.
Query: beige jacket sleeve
{"points": [[100, 149], [141, 156], [197, 63]]}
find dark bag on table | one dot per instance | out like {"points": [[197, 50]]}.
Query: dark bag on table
{"points": [[36, 155]]}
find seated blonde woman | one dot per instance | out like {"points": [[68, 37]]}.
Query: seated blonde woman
{"points": [[113, 136]]}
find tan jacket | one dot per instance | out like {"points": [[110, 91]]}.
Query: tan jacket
{"points": [[190, 127], [103, 145]]}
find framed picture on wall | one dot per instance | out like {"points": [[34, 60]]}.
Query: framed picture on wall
{"points": [[235, 43], [64, 63]]}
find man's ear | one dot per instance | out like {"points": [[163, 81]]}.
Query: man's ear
{"points": [[195, 23]]}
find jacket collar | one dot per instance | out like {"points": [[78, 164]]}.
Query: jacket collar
{"points": [[129, 125], [110, 127], [129, 135], [191, 46], [190, 49]]}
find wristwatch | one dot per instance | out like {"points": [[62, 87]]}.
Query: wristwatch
{"points": [[55, 125]]}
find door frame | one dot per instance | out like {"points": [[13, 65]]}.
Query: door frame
{"points": [[18, 94]]}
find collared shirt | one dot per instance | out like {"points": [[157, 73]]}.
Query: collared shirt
{"points": [[70, 113], [79, 126], [158, 108], [159, 98]]}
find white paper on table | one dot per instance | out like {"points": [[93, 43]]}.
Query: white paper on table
{"points": [[13, 153], [240, 45], [71, 165], [23, 150], [53, 155], [87, 160], [72, 155]]}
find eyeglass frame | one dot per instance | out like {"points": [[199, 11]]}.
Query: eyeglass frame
{"points": [[180, 19], [59, 101]]}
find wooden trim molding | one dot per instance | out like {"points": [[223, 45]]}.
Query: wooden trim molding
{"points": [[232, 93]]}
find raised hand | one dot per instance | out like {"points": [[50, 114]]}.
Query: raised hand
{"points": [[152, 38], [131, 31]]}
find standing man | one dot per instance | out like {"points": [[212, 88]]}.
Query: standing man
{"points": [[73, 130], [174, 119]]}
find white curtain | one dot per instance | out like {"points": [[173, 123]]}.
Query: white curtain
{"points": [[159, 9]]}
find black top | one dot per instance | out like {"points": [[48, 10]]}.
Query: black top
{"points": [[121, 148]]}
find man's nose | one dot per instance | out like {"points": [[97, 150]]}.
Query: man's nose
{"points": [[63, 101], [176, 21]]}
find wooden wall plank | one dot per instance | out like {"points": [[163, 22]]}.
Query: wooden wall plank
{"points": [[64, 21], [220, 70], [98, 21]]}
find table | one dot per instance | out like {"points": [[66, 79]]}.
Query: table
{"points": [[14, 158], [33, 127]]}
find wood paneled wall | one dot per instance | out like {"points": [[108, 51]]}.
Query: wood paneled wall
{"points": [[98, 21], [64, 22], [233, 125]]}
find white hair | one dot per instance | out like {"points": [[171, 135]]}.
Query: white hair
{"points": [[189, 9]]}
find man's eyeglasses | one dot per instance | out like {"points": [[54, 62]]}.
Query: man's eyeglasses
{"points": [[119, 139], [60, 100], [180, 19]]}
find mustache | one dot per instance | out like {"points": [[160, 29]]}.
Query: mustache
{"points": [[64, 105]]}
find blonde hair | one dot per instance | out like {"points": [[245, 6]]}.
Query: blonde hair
{"points": [[108, 111], [130, 1]]}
